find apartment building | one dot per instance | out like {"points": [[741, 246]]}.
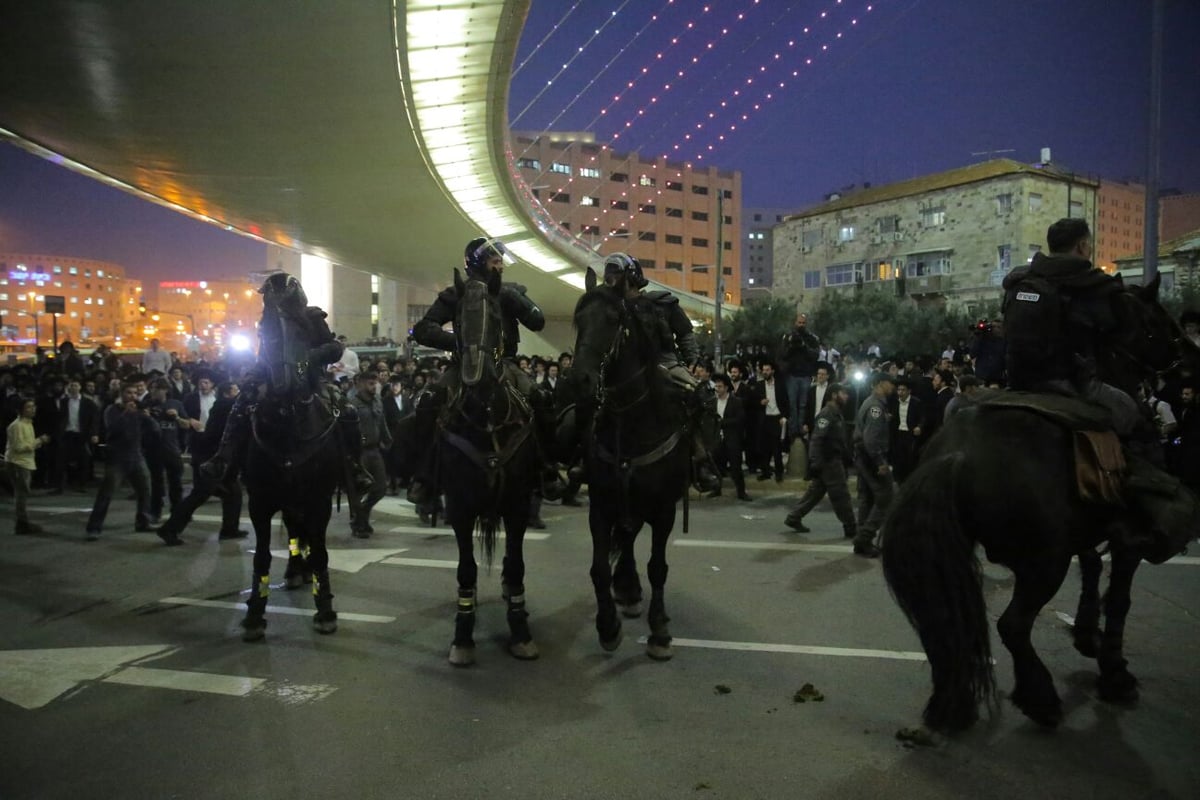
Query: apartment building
{"points": [[1120, 227], [680, 222], [950, 237], [758, 239], [99, 302]]}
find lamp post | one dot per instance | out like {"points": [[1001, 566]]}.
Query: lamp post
{"points": [[37, 331]]}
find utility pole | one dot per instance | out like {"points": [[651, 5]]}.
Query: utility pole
{"points": [[719, 284], [1150, 234]]}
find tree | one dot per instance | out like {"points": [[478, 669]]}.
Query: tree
{"points": [[761, 324]]}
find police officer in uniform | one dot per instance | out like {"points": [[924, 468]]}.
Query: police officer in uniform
{"points": [[482, 257], [828, 455], [875, 483], [278, 364], [621, 269]]}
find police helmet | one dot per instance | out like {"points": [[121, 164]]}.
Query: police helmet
{"points": [[619, 264], [284, 290], [479, 250]]}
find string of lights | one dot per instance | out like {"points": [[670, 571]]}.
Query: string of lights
{"points": [[570, 61], [546, 38], [768, 95], [616, 57]]}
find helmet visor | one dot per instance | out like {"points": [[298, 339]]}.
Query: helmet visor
{"points": [[491, 248]]}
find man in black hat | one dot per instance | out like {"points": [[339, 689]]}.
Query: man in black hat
{"points": [[908, 428], [728, 454]]}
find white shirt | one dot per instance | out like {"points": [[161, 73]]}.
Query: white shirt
{"points": [[349, 365], [902, 414], [769, 393], [207, 401], [819, 396], [73, 414], [156, 360], [721, 403]]}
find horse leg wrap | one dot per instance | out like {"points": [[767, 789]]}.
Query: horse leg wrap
{"points": [[255, 623], [464, 620], [293, 547]]}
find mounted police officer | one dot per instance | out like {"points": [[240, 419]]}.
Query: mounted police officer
{"points": [[872, 436], [828, 455], [1057, 315], [484, 260], [295, 346], [679, 352]]}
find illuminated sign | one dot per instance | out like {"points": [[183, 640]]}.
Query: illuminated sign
{"points": [[28, 276], [182, 285]]}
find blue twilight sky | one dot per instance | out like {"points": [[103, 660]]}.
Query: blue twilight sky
{"points": [[912, 87]]}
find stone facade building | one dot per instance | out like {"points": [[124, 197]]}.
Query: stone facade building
{"points": [[943, 238]]}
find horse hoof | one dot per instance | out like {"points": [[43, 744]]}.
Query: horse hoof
{"points": [[659, 652], [1048, 715], [254, 631], [630, 610], [524, 651], [1120, 687], [462, 656], [1087, 644], [612, 644], [325, 624]]}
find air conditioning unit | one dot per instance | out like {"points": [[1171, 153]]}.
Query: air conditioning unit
{"points": [[806, 248], [897, 236]]}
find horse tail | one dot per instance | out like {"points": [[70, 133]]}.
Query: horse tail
{"points": [[930, 566], [486, 527]]}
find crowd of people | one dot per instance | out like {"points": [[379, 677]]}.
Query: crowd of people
{"points": [[854, 406]]}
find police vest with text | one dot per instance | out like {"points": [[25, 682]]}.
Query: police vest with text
{"points": [[1035, 319]]}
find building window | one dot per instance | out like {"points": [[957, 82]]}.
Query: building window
{"points": [[888, 225], [727, 194], [1035, 201], [846, 233], [3, 296], [672, 238], [812, 279], [648, 263], [925, 264], [1004, 257], [726, 270], [1075, 209], [1034, 249], [728, 219], [57, 270], [73, 270], [1004, 203], [700, 216], [618, 177], [675, 265], [698, 242], [646, 180], [588, 200], [728, 245], [620, 205], [590, 230], [699, 190], [647, 208], [839, 275], [675, 186], [647, 236], [675, 212], [560, 197], [562, 169], [589, 172], [99, 273], [933, 217]]}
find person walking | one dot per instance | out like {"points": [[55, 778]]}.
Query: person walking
{"points": [[733, 423], [875, 483], [19, 450], [828, 455], [376, 438], [125, 425]]}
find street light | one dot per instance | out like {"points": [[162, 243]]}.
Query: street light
{"points": [[37, 331]]}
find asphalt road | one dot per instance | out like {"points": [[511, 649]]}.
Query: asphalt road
{"points": [[108, 689]]}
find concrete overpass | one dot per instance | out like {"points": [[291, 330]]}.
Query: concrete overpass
{"points": [[369, 133]]}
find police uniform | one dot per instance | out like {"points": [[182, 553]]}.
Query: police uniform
{"points": [[875, 491], [828, 454]]}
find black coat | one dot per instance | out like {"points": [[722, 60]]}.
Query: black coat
{"points": [[733, 424], [89, 417], [781, 398]]}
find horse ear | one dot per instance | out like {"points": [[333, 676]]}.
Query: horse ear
{"points": [[1152, 287], [589, 280], [458, 282]]}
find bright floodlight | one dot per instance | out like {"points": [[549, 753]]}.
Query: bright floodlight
{"points": [[239, 342], [859, 376]]}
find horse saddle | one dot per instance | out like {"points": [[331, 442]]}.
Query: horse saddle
{"points": [[1100, 467]]}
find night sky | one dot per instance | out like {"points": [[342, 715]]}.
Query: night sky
{"points": [[908, 89]]}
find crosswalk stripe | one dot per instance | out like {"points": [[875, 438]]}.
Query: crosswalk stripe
{"points": [[212, 683], [420, 562], [298, 612], [799, 649], [728, 545]]}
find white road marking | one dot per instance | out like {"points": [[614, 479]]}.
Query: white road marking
{"points": [[728, 545], [211, 683], [349, 559], [32, 678], [60, 510], [298, 612], [800, 649], [420, 562], [530, 536]]}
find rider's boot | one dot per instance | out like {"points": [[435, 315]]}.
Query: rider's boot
{"points": [[361, 480], [221, 468]]}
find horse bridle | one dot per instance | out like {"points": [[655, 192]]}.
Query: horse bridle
{"points": [[603, 390]]}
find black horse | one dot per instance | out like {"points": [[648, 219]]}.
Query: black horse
{"points": [[294, 459], [637, 460], [1004, 477], [487, 465]]}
